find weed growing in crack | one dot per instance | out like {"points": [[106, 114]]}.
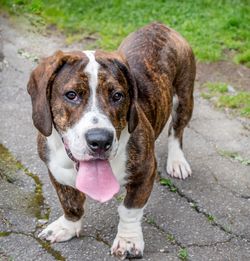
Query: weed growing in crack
{"points": [[120, 197], [48, 248], [210, 218], [168, 183], [151, 221], [235, 156], [4, 234], [193, 205], [183, 254], [171, 238]]}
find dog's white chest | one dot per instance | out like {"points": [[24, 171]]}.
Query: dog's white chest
{"points": [[118, 164], [62, 168]]}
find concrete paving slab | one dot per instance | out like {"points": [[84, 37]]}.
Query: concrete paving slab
{"points": [[176, 216], [233, 250], [21, 247]]}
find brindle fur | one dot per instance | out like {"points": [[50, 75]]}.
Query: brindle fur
{"points": [[163, 65], [71, 199], [150, 66]]}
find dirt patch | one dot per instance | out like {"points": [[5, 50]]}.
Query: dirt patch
{"points": [[223, 71]]}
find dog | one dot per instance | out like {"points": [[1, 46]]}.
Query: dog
{"points": [[98, 115]]}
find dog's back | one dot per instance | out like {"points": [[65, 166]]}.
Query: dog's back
{"points": [[160, 59]]}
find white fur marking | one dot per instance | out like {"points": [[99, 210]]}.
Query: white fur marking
{"points": [[177, 166], [61, 167], [118, 163], [129, 237], [75, 136], [173, 113], [92, 70], [61, 230], [175, 105]]}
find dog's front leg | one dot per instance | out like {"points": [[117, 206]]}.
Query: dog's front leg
{"points": [[129, 241], [68, 225]]}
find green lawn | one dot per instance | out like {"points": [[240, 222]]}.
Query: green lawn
{"points": [[216, 29], [238, 101]]}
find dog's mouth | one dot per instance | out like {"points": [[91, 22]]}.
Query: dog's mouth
{"points": [[95, 177]]}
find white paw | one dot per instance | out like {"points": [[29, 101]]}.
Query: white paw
{"points": [[178, 167], [61, 230], [128, 247]]}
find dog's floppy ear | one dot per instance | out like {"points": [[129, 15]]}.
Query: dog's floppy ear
{"points": [[39, 89], [132, 116]]}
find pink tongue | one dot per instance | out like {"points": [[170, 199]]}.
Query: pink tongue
{"points": [[96, 179]]}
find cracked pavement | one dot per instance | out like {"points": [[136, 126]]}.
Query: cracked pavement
{"points": [[207, 214]]}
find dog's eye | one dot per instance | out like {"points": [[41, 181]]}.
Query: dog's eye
{"points": [[71, 95], [117, 97]]}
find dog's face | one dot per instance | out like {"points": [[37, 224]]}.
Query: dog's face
{"points": [[89, 98]]}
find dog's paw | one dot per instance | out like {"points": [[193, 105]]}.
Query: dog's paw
{"points": [[128, 247], [61, 230], [178, 167]]}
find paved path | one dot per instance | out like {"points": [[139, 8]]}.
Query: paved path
{"points": [[208, 214]]}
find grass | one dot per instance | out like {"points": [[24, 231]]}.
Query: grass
{"points": [[244, 58], [171, 238], [151, 221], [168, 183], [210, 218], [183, 254], [238, 102], [216, 87], [214, 28], [235, 156]]}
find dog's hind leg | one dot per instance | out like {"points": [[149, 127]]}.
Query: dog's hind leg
{"points": [[68, 225], [177, 165]]}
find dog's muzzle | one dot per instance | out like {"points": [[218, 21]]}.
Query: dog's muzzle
{"points": [[99, 142], [94, 173]]}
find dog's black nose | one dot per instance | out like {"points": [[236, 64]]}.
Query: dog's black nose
{"points": [[99, 140]]}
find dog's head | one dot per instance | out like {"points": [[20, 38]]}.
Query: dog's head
{"points": [[88, 97]]}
